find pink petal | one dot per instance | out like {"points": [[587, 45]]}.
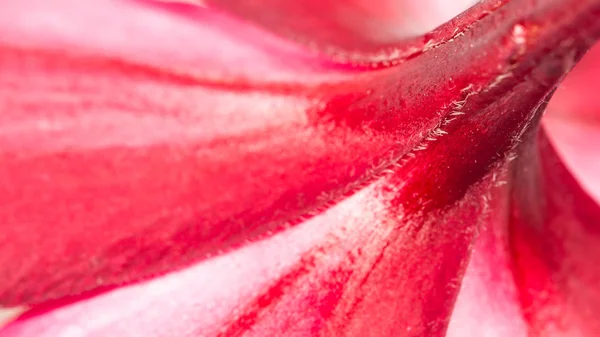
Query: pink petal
{"points": [[488, 303], [380, 179], [144, 162]]}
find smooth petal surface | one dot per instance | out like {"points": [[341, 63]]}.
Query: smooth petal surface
{"points": [[488, 303], [573, 122], [377, 33]]}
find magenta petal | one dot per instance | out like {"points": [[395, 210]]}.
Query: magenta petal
{"points": [[488, 303], [155, 169], [554, 290], [556, 213], [351, 265], [363, 31], [318, 199], [573, 122]]}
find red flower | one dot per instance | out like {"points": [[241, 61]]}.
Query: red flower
{"points": [[297, 168]]}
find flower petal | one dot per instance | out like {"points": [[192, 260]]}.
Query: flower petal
{"points": [[157, 170], [556, 211], [360, 30], [356, 263], [573, 122], [488, 303]]}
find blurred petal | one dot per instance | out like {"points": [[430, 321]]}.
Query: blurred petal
{"points": [[361, 30], [556, 237], [488, 303], [573, 122], [7, 315]]}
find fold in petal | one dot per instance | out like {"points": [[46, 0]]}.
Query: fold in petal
{"points": [[556, 215], [546, 233], [360, 30], [356, 263], [155, 170], [573, 122], [316, 200], [488, 303]]}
